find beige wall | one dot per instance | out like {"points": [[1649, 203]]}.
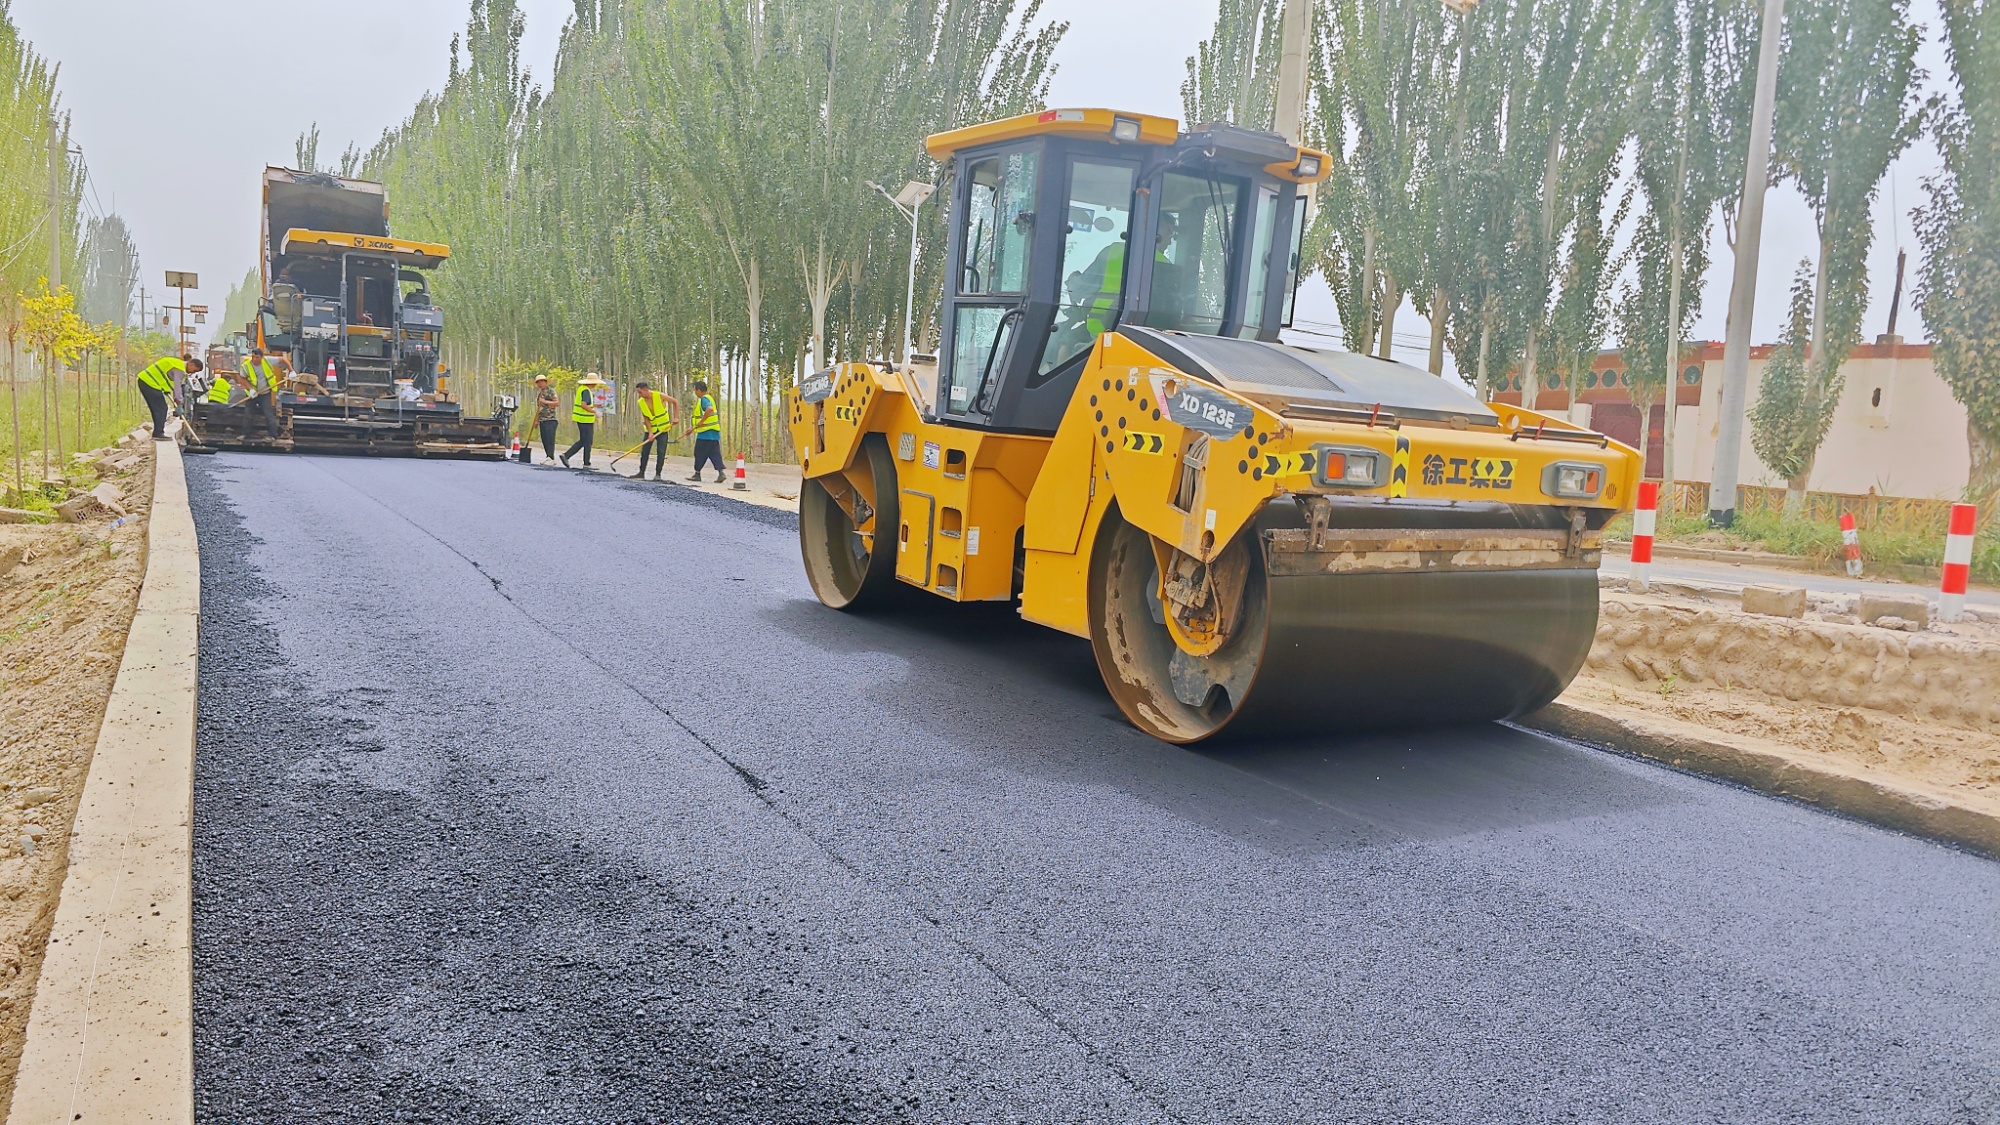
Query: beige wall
{"points": [[1908, 442]]}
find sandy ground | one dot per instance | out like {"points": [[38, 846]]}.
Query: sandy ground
{"points": [[1917, 709], [64, 611]]}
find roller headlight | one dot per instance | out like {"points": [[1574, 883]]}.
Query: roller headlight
{"points": [[1573, 480]]}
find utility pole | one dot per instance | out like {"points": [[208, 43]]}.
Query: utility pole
{"points": [[1296, 27], [1743, 288], [58, 160]]}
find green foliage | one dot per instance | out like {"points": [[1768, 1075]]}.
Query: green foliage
{"points": [[1384, 87], [28, 106], [240, 307], [1797, 398], [1847, 106], [692, 188], [111, 270], [1233, 75], [1692, 101], [1958, 287]]}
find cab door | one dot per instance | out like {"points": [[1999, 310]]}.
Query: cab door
{"points": [[997, 207]]}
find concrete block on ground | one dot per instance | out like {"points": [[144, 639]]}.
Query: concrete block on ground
{"points": [[1775, 601], [109, 498], [72, 510], [1872, 608]]}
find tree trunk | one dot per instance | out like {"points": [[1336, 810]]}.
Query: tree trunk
{"points": [[1673, 362], [753, 362], [1551, 169], [820, 278], [1983, 481], [1485, 388], [1439, 303], [1676, 262], [1392, 296], [1367, 326], [1795, 492], [14, 408], [1530, 380]]}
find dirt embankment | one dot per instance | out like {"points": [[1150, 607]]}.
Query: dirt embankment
{"points": [[67, 594], [1918, 709]]}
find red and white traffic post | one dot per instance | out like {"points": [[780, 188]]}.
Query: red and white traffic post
{"points": [[742, 481], [1644, 518], [1850, 544], [1957, 562]]}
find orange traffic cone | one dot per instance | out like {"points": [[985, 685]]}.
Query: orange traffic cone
{"points": [[742, 481]]}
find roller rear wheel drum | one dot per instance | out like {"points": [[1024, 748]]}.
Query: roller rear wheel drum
{"points": [[1331, 653], [850, 566]]}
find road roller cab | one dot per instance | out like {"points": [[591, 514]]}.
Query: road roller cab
{"points": [[1253, 536]]}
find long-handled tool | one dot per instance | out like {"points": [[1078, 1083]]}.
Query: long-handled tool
{"points": [[649, 440]]}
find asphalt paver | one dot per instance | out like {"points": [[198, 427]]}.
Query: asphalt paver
{"points": [[530, 796]]}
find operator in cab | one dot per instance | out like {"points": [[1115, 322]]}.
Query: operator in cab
{"points": [[1094, 290]]}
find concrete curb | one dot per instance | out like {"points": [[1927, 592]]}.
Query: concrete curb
{"points": [[111, 1035], [1905, 810]]}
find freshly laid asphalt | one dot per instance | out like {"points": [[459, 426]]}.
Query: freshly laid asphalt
{"points": [[530, 797]]}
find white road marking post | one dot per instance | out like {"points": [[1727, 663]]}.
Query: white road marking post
{"points": [[1850, 542], [1957, 562], [1643, 519]]}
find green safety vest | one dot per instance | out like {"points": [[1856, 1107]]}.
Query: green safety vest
{"points": [[160, 376], [706, 420], [583, 410], [1105, 305], [659, 415], [218, 391], [260, 380]]}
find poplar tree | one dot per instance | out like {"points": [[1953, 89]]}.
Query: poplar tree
{"points": [[1958, 288], [1847, 106], [1691, 108]]}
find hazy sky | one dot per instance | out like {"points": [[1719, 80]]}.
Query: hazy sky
{"points": [[176, 121]]}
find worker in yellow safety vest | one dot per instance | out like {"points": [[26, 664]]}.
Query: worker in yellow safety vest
{"points": [[1104, 278], [156, 385], [218, 390], [707, 432], [260, 381], [657, 410], [583, 411]]}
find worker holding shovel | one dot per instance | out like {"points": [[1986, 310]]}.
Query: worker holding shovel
{"points": [[658, 412]]}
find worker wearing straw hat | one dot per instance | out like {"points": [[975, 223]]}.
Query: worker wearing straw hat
{"points": [[583, 411], [547, 407]]}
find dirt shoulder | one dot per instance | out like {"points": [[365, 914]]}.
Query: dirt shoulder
{"points": [[67, 594], [1910, 713]]}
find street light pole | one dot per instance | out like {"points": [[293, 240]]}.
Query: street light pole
{"points": [[907, 203], [1743, 287]]}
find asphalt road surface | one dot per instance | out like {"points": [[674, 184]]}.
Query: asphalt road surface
{"points": [[530, 797]]}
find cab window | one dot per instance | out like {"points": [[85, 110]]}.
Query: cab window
{"points": [[1098, 219], [1000, 222], [1000, 217], [1265, 233], [1196, 251]]}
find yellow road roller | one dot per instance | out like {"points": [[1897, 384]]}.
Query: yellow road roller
{"points": [[1254, 536]]}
